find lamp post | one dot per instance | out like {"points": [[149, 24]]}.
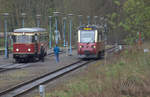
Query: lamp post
{"points": [[80, 19], [88, 18], [105, 36], [38, 20], [56, 26], [23, 16], [6, 35], [64, 20], [50, 32], [0, 25], [70, 27], [95, 20]]}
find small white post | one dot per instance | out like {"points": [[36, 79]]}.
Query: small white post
{"points": [[42, 90], [67, 48]]}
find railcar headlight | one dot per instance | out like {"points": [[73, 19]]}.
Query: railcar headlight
{"points": [[17, 49], [93, 46], [29, 49], [81, 46]]}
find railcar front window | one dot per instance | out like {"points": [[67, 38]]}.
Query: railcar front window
{"points": [[23, 39], [87, 36]]}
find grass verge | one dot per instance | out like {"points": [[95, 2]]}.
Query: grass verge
{"points": [[125, 75]]}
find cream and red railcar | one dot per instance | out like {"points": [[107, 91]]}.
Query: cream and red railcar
{"points": [[90, 42], [29, 43]]}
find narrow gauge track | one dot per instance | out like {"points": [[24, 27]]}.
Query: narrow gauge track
{"points": [[24, 87]]}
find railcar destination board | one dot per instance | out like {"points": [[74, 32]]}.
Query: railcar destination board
{"points": [[88, 28]]}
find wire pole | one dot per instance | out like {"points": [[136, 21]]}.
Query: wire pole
{"points": [[105, 35], [23, 16], [0, 26], [6, 35], [56, 30], [38, 20], [95, 20], [64, 20], [56, 26], [70, 53], [50, 32], [80, 19], [88, 18]]}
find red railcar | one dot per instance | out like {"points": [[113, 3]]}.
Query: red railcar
{"points": [[90, 42], [29, 43]]}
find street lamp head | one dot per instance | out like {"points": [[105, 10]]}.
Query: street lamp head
{"points": [[70, 14], [56, 13], [38, 15], [88, 16], [23, 14], [50, 16], [5, 14], [95, 16], [64, 18]]}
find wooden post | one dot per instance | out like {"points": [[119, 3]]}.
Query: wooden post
{"points": [[140, 40]]}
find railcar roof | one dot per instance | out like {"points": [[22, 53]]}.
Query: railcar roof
{"points": [[30, 30]]}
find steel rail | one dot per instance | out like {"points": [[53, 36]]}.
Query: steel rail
{"points": [[26, 86], [7, 68]]}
